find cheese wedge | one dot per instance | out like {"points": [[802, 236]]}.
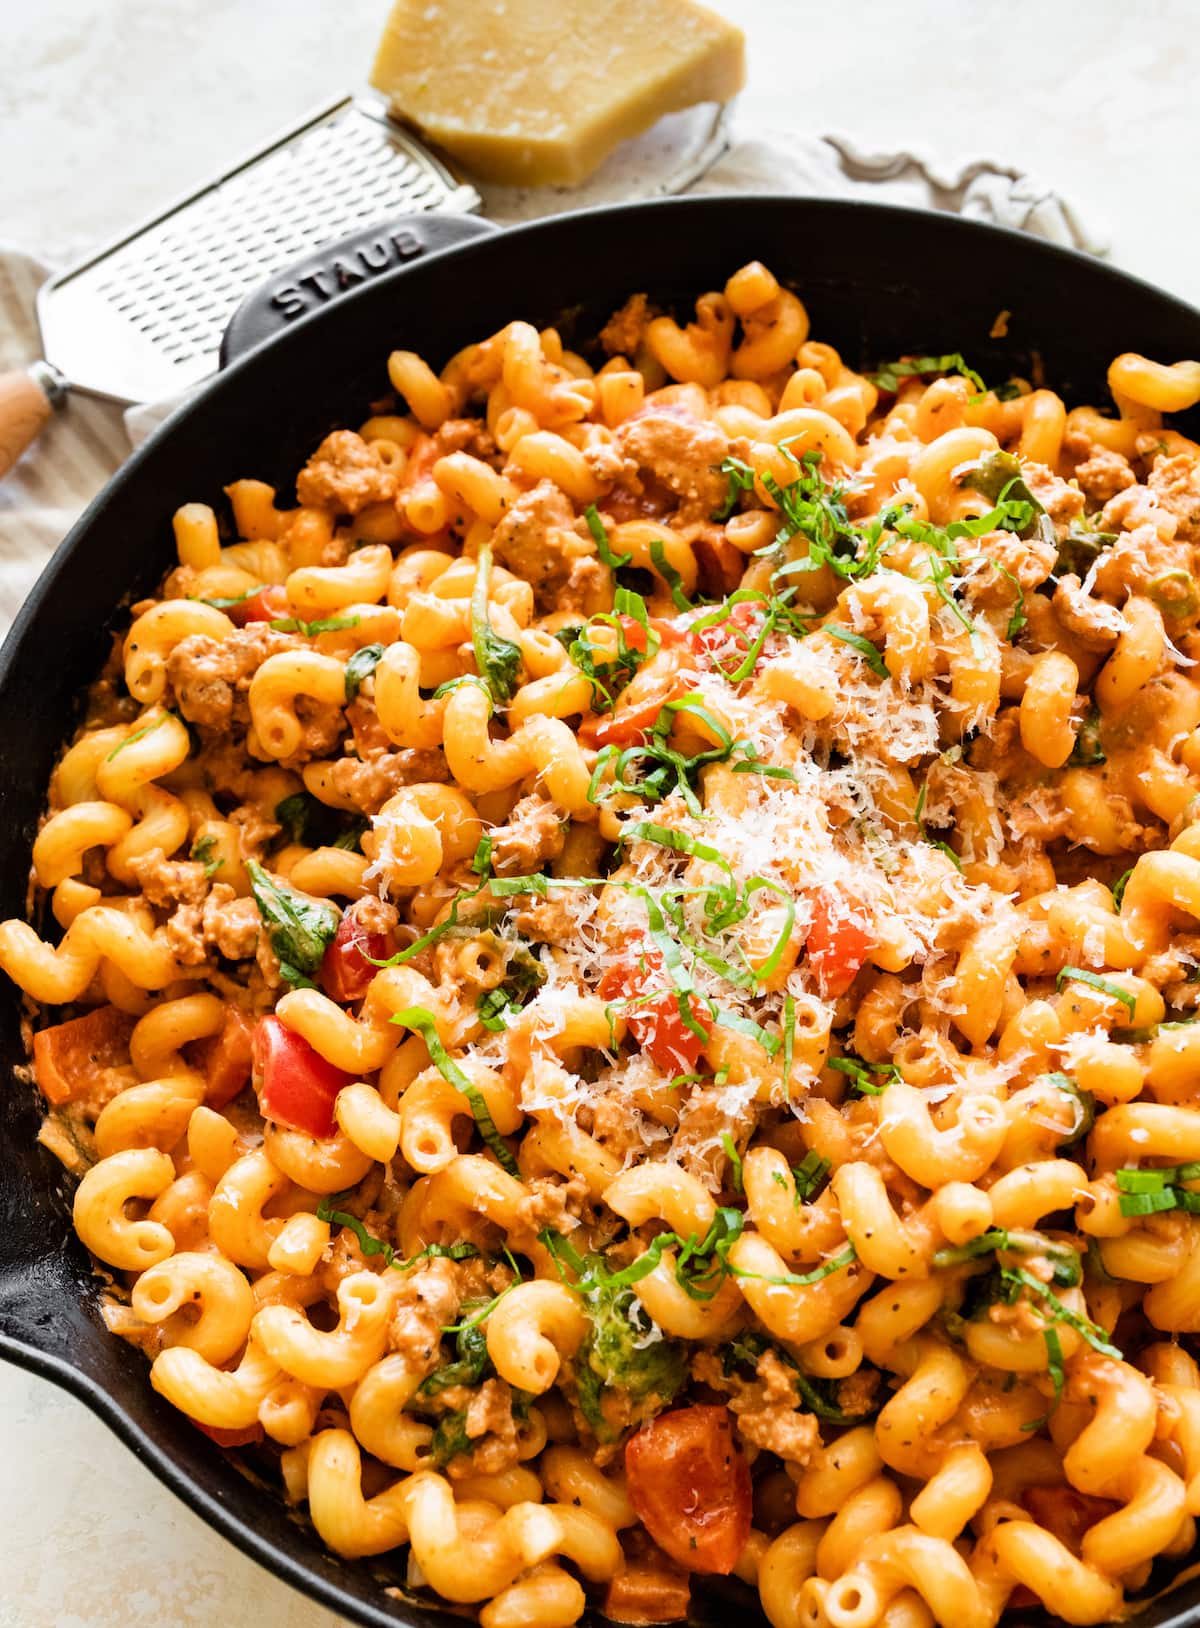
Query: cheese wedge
{"points": [[539, 92]]}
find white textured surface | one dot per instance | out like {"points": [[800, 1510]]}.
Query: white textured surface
{"points": [[110, 108]]}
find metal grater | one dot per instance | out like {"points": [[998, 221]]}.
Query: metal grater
{"points": [[143, 318]]}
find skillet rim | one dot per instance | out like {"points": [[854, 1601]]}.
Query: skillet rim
{"points": [[145, 1443]]}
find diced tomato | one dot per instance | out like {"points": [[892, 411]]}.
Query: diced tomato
{"points": [[1066, 1513], [345, 971], [657, 1025], [225, 1060], [635, 634], [690, 1487], [267, 605], [296, 1086], [839, 941], [630, 725], [727, 642], [232, 1438], [69, 1058]]}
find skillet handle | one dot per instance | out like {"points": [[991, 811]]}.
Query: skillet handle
{"points": [[336, 268]]}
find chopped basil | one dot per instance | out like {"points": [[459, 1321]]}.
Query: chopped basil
{"points": [[498, 659], [809, 1176], [351, 838], [1080, 975], [1119, 886], [471, 1365], [870, 653], [735, 1162], [361, 665], [889, 374], [423, 1022], [1088, 750], [595, 525], [450, 1438], [138, 734], [741, 481], [859, 1074], [524, 973], [370, 1245], [999, 478], [202, 852], [1065, 1261], [1018, 1278], [224, 604], [669, 575], [326, 624], [299, 927], [481, 864], [1054, 1367]]}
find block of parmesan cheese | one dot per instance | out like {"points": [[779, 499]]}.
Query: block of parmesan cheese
{"points": [[539, 92]]}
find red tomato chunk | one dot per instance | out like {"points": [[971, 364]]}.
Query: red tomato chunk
{"points": [[346, 972], [267, 605], [657, 1025], [296, 1086], [839, 941], [226, 1059], [690, 1487]]}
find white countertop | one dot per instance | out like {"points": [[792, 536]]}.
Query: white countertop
{"points": [[108, 111]]}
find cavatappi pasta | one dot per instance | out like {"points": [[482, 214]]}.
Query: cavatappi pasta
{"points": [[631, 964]]}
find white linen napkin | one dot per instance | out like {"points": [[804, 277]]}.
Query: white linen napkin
{"points": [[87, 442]]}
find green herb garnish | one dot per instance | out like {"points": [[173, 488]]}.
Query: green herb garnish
{"points": [[1080, 975], [202, 852], [361, 665], [889, 374], [498, 659], [326, 624], [299, 927], [424, 1023]]}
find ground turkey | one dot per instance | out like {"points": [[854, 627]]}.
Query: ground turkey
{"points": [[210, 677], [681, 453], [345, 474]]}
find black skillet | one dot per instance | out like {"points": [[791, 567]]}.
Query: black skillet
{"points": [[878, 282]]}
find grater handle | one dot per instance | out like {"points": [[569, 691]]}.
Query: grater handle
{"points": [[28, 396], [337, 268]]}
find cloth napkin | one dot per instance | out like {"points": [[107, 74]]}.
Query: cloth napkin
{"points": [[85, 444]]}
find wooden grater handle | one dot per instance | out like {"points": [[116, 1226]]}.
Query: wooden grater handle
{"points": [[27, 398]]}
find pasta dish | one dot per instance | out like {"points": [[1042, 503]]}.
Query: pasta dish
{"points": [[621, 978]]}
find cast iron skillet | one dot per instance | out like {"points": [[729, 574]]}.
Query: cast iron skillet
{"points": [[879, 282]]}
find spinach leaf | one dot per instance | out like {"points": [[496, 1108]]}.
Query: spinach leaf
{"points": [[497, 659], [450, 1438], [300, 928], [471, 1365], [315, 824], [1079, 550], [999, 478]]}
